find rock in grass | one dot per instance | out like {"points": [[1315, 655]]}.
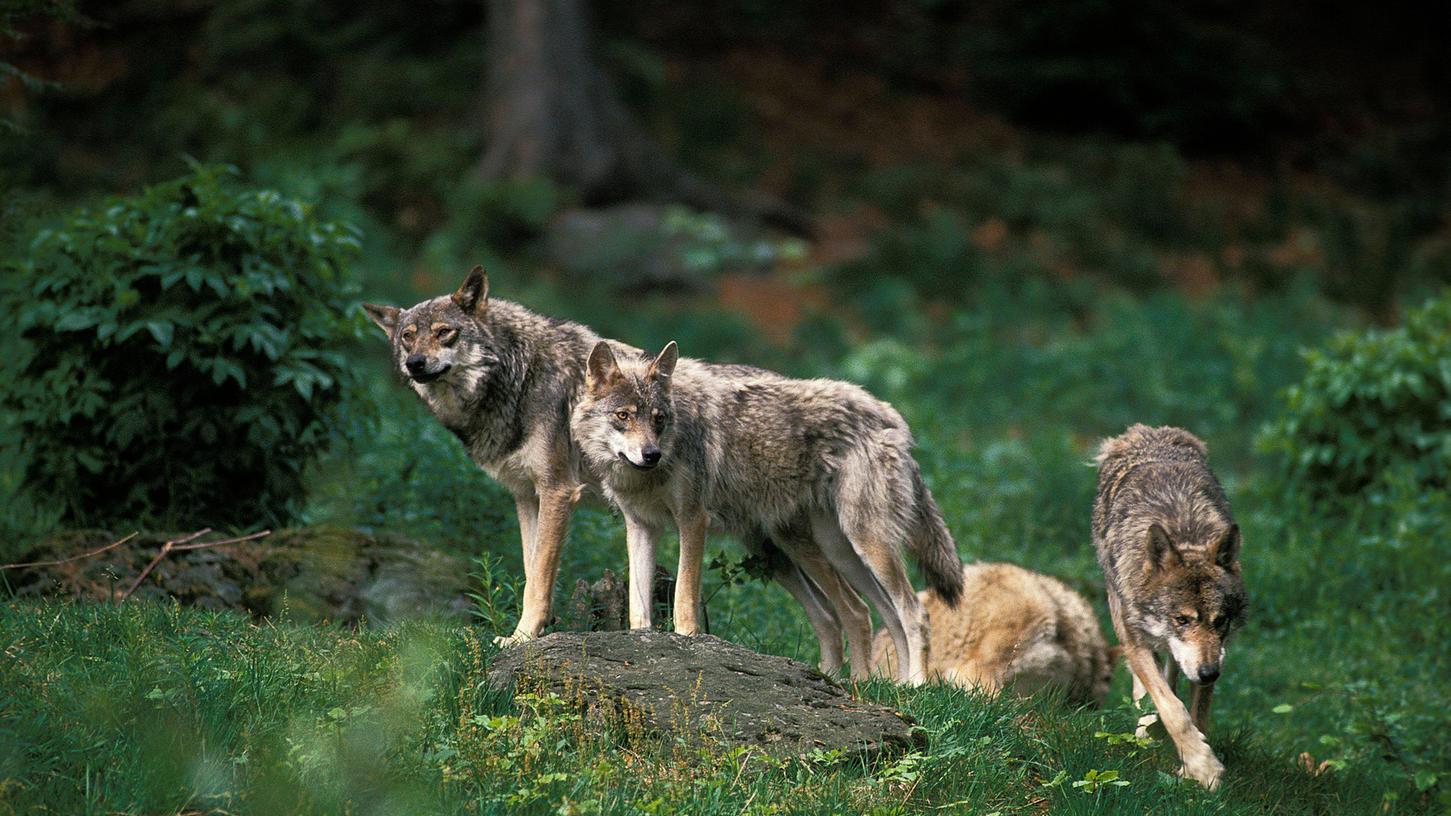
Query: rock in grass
{"points": [[703, 689]]}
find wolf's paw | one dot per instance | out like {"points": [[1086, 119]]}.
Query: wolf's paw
{"points": [[512, 640], [1207, 770]]}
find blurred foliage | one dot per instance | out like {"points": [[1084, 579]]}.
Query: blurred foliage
{"points": [[13, 13], [245, 81], [1211, 76], [1373, 405], [1125, 214], [180, 353]]}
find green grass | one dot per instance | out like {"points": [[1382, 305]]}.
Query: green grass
{"points": [[154, 709]]}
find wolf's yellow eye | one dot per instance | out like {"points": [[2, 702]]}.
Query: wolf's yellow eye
{"points": [[446, 334], [409, 332], [1182, 620], [623, 416]]}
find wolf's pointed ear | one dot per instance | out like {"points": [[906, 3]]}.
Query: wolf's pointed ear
{"points": [[602, 368], [1226, 550], [385, 316], [473, 294], [664, 366], [1162, 552]]}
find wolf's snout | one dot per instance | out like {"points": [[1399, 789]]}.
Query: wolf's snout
{"points": [[1208, 673], [419, 369], [649, 458]]}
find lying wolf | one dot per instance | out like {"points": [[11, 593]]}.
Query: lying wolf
{"points": [[821, 469], [1170, 555], [502, 379], [1013, 629]]}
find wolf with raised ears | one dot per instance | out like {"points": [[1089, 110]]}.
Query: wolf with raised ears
{"points": [[503, 379], [819, 468]]}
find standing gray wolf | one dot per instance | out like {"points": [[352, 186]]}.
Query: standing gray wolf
{"points": [[1013, 628], [1170, 555], [502, 379], [820, 469]]}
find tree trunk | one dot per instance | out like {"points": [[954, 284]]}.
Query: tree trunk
{"points": [[551, 112]]}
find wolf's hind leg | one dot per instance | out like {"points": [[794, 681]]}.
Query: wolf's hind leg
{"points": [[818, 611], [855, 618], [874, 510], [848, 608], [886, 565], [874, 538], [845, 559]]}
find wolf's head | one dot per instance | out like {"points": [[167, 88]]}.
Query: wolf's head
{"points": [[444, 340], [625, 417], [1195, 597]]}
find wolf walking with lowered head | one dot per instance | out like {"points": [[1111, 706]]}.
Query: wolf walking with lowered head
{"points": [[1169, 549], [819, 469]]}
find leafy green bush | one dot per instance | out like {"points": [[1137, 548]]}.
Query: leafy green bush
{"points": [[1372, 404], [177, 353]]}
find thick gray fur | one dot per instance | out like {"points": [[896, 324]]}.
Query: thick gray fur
{"points": [[820, 468], [504, 379]]}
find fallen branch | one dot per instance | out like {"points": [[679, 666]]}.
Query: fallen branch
{"points": [[165, 548], [237, 540], [184, 543], [113, 545]]}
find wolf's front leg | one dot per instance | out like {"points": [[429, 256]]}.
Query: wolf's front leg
{"points": [[692, 525], [527, 508], [640, 539], [1200, 763], [1199, 705], [555, 506], [1149, 726]]}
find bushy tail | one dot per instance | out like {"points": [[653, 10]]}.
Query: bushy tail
{"points": [[933, 548]]}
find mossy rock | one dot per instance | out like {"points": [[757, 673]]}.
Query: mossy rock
{"points": [[689, 689]]}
